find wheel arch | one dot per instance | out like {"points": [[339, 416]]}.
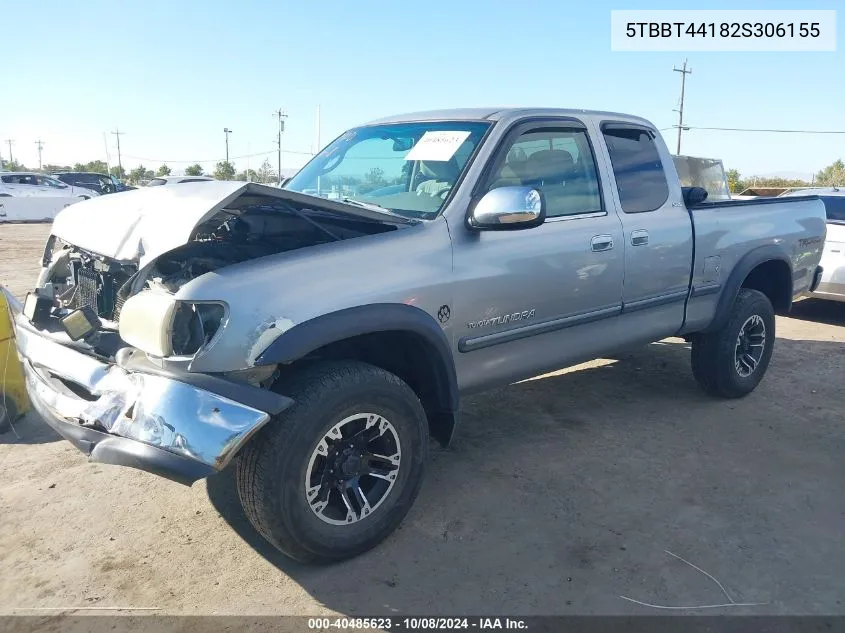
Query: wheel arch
{"points": [[767, 269], [399, 338]]}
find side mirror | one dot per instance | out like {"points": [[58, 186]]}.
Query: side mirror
{"points": [[694, 195], [509, 209], [284, 182]]}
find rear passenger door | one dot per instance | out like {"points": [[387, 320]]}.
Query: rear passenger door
{"points": [[657, 228]]}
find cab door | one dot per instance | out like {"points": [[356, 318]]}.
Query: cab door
{"points": [[657, 230], [541, 297]]}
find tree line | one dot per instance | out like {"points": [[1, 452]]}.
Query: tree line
{"points": [[831, 176], [141, 175]]}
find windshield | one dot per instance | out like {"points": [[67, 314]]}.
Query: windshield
{"points": [[52, 182], [408, 168]]}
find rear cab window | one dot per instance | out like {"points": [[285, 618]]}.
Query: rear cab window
{"points": [[637, 168]]}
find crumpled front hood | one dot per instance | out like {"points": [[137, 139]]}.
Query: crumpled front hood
{"points": [[140, 225]]}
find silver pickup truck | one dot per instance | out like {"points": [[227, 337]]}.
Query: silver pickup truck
{"points": [[314, 337]]}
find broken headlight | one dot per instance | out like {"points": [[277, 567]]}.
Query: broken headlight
{"points": [[194, 325], [160, 325]]}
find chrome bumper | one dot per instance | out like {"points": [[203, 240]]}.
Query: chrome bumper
{"points": [[148, 420]]}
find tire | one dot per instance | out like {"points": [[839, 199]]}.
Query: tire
{"points": [[273, 468], [725, 362]]}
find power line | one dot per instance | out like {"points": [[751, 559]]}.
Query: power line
{"points": [[215, 160], [10, 142], [748, 129], [684, 72]]}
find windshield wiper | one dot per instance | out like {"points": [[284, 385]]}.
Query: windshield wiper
{"points": [[372, 206], [301, 214]]}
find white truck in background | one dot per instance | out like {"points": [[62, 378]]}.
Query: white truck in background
{"points": [[832, 284], [36, 197]]}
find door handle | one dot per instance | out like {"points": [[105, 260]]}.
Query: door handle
{"points": [[639, 237], [601, 243]]}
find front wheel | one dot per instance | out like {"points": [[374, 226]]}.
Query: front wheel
{"points": [[732, 361], [336, 473]]}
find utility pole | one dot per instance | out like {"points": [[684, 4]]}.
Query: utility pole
{"points": [[39, 144], [282, 116], [10, 142], [317, 148], [227, 131], [117, 133], [684, 72]]}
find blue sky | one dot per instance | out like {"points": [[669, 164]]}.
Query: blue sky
{"points": [[172, 75]]}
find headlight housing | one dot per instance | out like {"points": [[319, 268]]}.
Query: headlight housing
{"points": [[159, 325]]}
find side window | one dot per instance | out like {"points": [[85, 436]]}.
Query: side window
{"points": [[640, 178], [557, 161]]}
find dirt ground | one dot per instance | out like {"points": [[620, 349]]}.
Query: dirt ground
{"points": [[560, 495]]}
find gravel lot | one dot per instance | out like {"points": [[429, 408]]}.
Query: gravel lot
{"points": [[559, 495]]}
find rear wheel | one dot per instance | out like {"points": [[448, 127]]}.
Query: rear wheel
{"points": [[732, 361], [339, 470]]}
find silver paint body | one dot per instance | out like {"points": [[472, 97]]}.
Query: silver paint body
{"points": [[550, 269], [613, 279]]}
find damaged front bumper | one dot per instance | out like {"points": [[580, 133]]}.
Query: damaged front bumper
{"points": [[180, 425]]}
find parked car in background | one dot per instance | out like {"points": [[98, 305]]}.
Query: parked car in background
{"points": [[832, 285], [316, 344], [24, 184], [158, 181], [101, 183]]}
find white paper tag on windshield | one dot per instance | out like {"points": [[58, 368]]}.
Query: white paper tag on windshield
{"points": [[437, 146]]}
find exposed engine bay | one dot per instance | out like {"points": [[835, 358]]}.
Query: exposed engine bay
{"points": [[253, 226]]}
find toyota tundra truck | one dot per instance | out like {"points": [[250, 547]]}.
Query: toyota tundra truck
{"points": [[312, 338]]}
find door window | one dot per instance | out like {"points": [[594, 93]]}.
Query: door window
{"points": [[559, 163], [640, 178]]}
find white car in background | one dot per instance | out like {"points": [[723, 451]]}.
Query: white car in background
{"points": [[158, 181], [29, 184], [832, 285]]}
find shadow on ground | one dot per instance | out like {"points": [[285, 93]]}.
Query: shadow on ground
{"points": [[819, 311], [29, 429], [561, 494]]}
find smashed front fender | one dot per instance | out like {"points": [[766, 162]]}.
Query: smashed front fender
{"points": [[184, 427]]}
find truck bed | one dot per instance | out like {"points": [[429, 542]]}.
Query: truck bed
{"points": [[736, 229]]}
